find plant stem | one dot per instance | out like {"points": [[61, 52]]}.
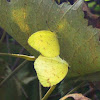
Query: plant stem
{"points": [[49, 92], [8, 47], [17, 60], [13, 73], [21, 87], [30, 58], [40, 90]]}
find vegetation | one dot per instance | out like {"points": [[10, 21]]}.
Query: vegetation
{"points": [[79, 46]]}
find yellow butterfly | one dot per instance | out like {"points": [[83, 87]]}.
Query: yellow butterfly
{"points": [[50, 68]]}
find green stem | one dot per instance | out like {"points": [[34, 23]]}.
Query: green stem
{"points": [[49, 92], [13, 73], [40, 90], [30, 58]]}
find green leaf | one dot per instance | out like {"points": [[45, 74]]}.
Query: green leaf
{"points": [[80, 45]]}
